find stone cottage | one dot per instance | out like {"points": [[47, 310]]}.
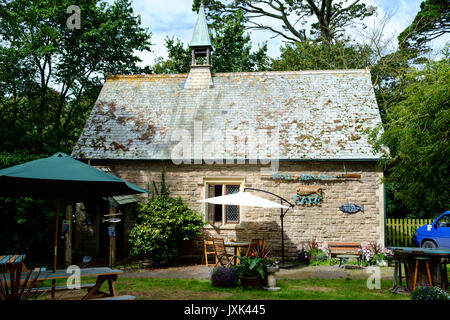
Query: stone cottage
{"points": [[297, 134]]}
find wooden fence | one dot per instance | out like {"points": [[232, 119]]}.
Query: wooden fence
{"points": [[399, 232]]}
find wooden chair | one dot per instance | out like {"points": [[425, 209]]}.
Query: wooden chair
{"points": [[255, 245], [208, 249], [223, 257]]}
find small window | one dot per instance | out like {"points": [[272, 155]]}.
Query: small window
{"points": [[217, 213]]}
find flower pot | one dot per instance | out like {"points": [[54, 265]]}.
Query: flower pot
{"points": [[255, 281]]}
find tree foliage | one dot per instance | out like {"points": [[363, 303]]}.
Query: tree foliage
{"points": [[164, 223], [232, 50], [50, 77], [310, 55], [431, 22], [417, 136], [330, 17]]}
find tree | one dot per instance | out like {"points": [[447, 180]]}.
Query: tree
{"points": [[51, 75], [232, 50], [431, 22], [331, 17], [417, 136], [310, 55], [391, 65], [179, 58]]}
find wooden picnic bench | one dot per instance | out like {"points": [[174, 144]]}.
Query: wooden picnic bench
{"points": [[17, 258], [103, 274], [345, 251], [433, 264], [124, 297]]}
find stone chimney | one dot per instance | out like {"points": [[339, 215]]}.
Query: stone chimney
{"points": [[200, 74]]}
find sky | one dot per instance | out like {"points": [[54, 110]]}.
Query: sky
{"points": [[175, 18]]}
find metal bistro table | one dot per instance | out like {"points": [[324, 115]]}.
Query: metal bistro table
{"points": [[102, 274], [237, 247], [436, 258]]}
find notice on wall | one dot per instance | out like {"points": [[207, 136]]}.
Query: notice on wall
{"points": [[65, 226]]}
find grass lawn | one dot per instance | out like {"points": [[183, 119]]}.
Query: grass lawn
{"points": [[302, 289], [353, 287]]}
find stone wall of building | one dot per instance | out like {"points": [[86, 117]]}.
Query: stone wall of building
{"points": [[324, 223]]}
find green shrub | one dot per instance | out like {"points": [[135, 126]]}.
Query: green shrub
{"points": [[163, 224]]}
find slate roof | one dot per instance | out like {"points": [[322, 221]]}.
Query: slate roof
{"points": [[318, 114]]}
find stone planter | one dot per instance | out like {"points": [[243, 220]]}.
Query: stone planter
{"points": [[271, 279], [382, 263], [250, 281]]}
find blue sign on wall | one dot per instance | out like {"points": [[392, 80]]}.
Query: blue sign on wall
{"points": [[309, 200]]}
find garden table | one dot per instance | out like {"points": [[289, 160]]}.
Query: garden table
{"points": [[237, 247], [438, 264], [102, 274]]}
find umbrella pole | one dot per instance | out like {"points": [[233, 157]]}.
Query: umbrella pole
{"points": [[282, 235], [55, 248]]}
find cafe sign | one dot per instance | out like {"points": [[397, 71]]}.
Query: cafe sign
{"points": [[313, 177], [308, 196]]}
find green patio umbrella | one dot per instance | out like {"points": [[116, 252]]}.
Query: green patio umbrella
{"points": [[61, 176]]}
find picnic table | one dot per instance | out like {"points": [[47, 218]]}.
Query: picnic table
{"points": [[103, 274], [437, 259], [12, 258]]}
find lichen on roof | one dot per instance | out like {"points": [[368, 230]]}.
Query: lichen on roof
{"points": [[317, 114]]}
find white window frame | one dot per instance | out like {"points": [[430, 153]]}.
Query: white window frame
{"points": [[224, 181]]}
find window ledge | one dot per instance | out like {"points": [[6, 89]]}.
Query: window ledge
{"points": [[228, 226]]}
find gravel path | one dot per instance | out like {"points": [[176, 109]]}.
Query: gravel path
{"points": [[300, 272]]}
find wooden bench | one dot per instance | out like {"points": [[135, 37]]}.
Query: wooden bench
{"points": [[17, 258], [124, 297], [61, 288], [344, 251]]}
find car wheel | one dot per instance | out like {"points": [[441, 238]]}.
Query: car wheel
{"points": [[429, 244]]}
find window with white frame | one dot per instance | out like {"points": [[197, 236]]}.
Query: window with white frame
{"points": [[218, 213]]}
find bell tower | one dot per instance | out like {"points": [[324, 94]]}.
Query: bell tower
{"points": [[200, 74]]}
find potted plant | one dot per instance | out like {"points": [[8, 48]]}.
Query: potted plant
{"points": [[252, 270]]}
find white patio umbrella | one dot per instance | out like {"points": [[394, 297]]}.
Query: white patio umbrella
{"points": [[247, 199], [244, 199]]}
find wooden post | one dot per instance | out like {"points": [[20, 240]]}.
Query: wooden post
{"points": [[112, 243], [112, 249], [55, 248], [68, 238]]}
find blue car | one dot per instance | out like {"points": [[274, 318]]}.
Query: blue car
{"points": [[435, 235]]}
